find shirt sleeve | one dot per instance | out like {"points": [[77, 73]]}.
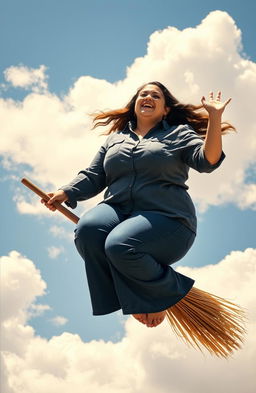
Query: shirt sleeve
{"points": [[88, 182], [193, 153]]}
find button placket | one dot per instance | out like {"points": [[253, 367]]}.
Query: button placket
{"points": [[134, 170]]}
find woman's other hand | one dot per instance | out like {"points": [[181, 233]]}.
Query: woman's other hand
{"points": [[214, 106], [58, 196]]}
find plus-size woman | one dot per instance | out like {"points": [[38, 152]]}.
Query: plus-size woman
{"points": [[147, 219]]}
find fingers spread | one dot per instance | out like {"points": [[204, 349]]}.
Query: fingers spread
{"points": [[228, 101]]}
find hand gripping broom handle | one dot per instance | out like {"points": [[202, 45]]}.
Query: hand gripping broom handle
{"points": [[46, 197]]}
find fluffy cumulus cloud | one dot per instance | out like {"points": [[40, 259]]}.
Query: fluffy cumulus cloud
{"points": [[19, 276], [25, 77], [52, 136], [143, 360]]}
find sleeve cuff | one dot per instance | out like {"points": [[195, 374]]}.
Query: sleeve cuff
{"points": [[206, 166], [71, 202]]}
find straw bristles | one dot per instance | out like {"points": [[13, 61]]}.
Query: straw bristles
{"points": [[206, 320]]}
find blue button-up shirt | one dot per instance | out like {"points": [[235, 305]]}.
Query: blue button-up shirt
{"points": [[145, 174]]}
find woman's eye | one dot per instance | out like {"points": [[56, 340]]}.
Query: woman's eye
{"points": [[153, 95]]}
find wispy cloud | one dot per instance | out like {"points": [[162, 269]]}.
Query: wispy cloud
{"points": [[36, 310], [54, 252], [61, 233], [59, 321]]}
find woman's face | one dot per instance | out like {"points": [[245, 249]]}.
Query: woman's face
{"points": [[150, 104]]}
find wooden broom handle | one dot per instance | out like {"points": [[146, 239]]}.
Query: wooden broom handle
{"points": [[46, 197]]}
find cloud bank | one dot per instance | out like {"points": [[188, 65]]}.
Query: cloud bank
{"points": [[51, 134], [145, 359]]}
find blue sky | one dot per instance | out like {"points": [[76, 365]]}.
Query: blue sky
{"points": [[101, 39]]}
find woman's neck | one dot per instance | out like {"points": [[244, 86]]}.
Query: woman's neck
{"points": [[144, 126]]}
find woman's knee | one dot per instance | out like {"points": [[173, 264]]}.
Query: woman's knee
{"points": [[95, 224], [87, 230], [112, 247], [118, 249]]}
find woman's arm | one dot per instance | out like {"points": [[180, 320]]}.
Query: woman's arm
{"points": [[89, 182], [213, 140]]}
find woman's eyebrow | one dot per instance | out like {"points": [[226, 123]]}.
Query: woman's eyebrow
{"points": [[150, 91]]}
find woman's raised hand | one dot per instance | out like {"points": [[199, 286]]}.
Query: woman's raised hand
{"points": [[214, 106], [58, 196]]}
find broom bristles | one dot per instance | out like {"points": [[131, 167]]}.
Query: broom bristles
{"points": [[207, 321]]}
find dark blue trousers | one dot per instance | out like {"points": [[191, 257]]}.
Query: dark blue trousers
{"points": [[127, 259]]}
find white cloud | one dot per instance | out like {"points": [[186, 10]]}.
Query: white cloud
{"points": [[4, 384], [247, 196], [21, 283], [143, 360], [52, 134], [25, 77], [38, 309], [19, 275], [31, 205], [54, 252], [59, 321], [61, 233]]}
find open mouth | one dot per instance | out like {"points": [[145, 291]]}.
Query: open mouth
{"points": [[147, 106]]}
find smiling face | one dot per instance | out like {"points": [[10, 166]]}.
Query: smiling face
{"points": [[150, 104]]}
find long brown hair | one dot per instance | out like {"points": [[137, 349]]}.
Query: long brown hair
{"points": [[194, 115]]}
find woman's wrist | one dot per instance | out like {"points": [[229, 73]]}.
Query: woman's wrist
{"points": [[215, 116]]}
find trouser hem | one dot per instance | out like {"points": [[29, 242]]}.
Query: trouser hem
{"points": [[106, 311], [138, 310]]}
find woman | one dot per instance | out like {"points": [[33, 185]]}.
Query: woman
{"points": [[147, 220]]}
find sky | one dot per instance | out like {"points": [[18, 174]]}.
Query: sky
{"points": [[59, 62]]}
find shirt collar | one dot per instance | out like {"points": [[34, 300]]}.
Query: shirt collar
{"points": [[163, 124]]}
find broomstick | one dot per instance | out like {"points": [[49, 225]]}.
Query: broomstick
{"points": [[201, 319], [46, 197]]}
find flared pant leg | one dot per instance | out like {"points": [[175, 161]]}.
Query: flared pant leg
{"points": [[90, 236], [127, 259], [140, 250]]}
